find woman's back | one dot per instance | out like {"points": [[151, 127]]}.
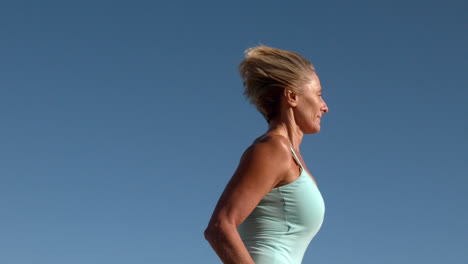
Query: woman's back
{"points": [[282, 225]]}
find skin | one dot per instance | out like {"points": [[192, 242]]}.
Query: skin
{"points": [[266, 164]]}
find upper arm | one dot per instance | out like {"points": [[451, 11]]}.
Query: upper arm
{"points": [[261, 167]]}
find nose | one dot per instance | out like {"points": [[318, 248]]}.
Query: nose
{"points": [[324, 108]]}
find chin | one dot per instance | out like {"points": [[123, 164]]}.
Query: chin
{"points": [[312, 130]]}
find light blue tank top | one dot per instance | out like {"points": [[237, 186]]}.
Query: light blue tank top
{"points": [[280, 228]]}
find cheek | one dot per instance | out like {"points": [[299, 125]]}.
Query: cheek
{"points": [[313, 106]]}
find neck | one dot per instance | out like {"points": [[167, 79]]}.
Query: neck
{"points": [[286, 127]]}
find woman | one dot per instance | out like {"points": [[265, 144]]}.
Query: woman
{"points": [[272, 208]]}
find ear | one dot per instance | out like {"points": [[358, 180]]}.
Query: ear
{"points": [[291, 97]]}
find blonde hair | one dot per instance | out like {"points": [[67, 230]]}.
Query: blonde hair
{"points": [[267, 71]]}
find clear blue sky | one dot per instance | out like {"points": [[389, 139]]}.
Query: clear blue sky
{"points": [[122, 121]]}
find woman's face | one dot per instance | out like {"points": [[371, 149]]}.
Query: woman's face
{"points": [[310, 107]]}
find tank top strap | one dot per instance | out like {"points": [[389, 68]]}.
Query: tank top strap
{"points": [[296, 158]]}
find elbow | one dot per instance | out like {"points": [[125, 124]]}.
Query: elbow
{"points": [[211, 232], [207, 234], [217, 229]]}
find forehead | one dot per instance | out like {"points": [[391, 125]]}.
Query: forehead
{"points": [[314, 84]]}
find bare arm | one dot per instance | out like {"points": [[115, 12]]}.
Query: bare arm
{"points": [[261, 167], [226, 242]]}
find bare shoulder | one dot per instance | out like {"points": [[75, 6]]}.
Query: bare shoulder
{"points": [[267, 160], [272, 149]]}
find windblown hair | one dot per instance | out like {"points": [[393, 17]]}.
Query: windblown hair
{"points": [[267, 71]]}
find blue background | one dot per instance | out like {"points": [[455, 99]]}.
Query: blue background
{"points": [[122, 121]]}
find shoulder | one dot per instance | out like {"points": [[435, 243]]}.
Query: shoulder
{"points": [[273, 149]]}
